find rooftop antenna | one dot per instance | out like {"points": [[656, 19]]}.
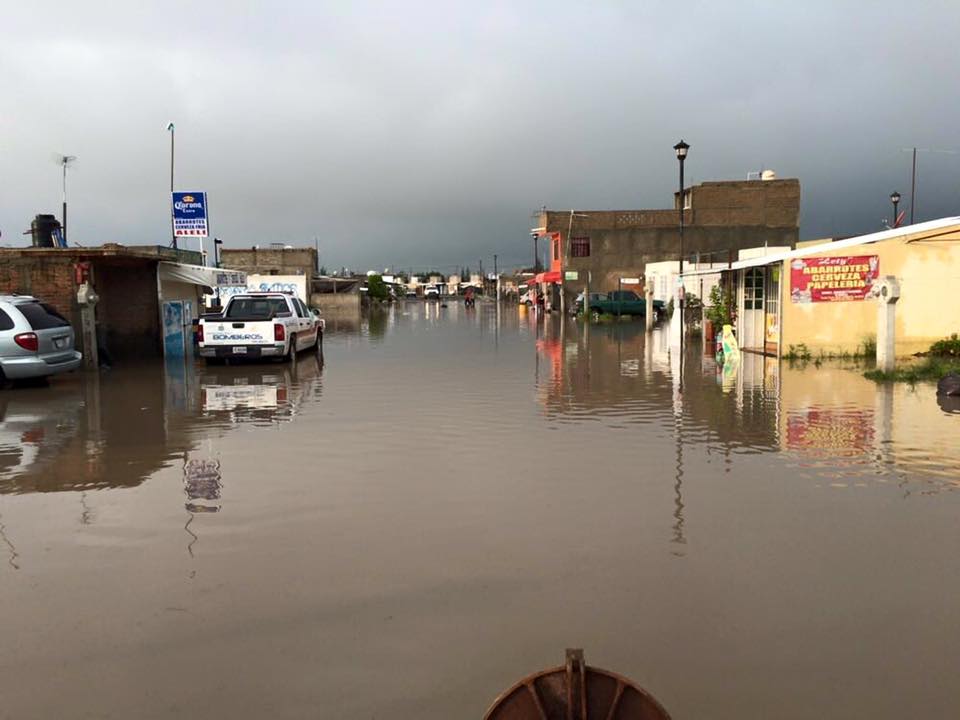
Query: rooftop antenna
{"points": [[64, 161]]}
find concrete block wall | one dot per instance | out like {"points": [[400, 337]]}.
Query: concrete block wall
{"points": [[270, 261], [337, 303]]}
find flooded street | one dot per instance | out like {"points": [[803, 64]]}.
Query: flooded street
{"points": [[451, 497]]}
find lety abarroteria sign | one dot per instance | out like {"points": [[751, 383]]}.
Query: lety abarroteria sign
{"points": [[190, 214]]}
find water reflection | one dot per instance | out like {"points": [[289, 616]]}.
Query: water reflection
{"points": [[833, 423], [93, 432]]}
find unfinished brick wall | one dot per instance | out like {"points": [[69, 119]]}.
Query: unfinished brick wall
{"points": [[50, 279]]}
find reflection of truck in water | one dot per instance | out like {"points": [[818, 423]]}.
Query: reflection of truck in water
{"points": [[259, 325], [246, 393]]}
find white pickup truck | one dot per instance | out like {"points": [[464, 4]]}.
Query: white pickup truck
{"points": [[259, 325]]}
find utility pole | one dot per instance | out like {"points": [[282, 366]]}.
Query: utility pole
{"points": [[496, 275], [173, 232], [913, 185]]}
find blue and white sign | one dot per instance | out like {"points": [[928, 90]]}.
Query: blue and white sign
{"points": [[190, 214]]}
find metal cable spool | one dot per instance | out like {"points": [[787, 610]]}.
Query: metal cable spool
{"points": [[575, 691]]}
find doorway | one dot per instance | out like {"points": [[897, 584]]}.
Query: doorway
{"points": [[752, 316]]}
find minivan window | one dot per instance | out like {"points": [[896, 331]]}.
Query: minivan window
{"points": [[41, 316], [6, 322]]}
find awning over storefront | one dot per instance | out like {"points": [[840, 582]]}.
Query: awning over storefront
{"points": [[206, 277], [551, 276]]}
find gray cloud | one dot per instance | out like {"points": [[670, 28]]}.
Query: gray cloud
{"points": [[426, 133]]}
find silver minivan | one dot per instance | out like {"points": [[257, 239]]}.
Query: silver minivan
{"points": [[35, 340]]}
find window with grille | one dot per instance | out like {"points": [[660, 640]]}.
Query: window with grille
{"points": [[753, 289], [580, 247]]}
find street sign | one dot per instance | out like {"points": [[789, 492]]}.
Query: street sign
{"points": [[629, 281], [190, 214], [571, 275]]}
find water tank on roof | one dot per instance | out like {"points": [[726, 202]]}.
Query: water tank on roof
{"points": [[768, 175], [42, 229]]}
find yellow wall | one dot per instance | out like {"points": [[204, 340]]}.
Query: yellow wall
{"points": [[929, 275]]}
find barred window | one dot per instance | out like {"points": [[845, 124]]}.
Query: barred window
{"points": [[580, 247]]}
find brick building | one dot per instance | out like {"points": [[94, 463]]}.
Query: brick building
{"points": [[271, 260], [125, 278], [720, 218]]}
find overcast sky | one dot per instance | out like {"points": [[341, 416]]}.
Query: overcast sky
{"points": [[426, 133]]}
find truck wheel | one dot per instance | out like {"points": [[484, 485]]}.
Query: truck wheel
{"points": [[292, 350]]}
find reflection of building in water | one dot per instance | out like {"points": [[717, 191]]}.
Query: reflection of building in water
{"points": [[94, 433], [90, 433], [601, 370], [855, 431]]}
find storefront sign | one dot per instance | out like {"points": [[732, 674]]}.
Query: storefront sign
{"points": [[571, 275], [190, 214], [629, 281], [832, 279]]}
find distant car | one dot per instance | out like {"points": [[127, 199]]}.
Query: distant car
{"points": [[411, 295], [431, 292], [35, 340]]}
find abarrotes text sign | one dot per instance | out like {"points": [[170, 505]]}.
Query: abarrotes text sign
{"points": [[190, 214]]}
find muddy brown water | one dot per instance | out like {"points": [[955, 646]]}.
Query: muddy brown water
{"points": [[447, 501]]}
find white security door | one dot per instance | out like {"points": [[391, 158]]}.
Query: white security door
{"points": [[753, 320]]}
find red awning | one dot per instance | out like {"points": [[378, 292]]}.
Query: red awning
{"points": [[552, 276]]}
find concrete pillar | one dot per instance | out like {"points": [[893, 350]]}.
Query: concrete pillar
{"points": [[648, 311], [87, 300], [888, 293]]}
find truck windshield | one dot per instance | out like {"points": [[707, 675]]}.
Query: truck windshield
{"points": [[256, 308]]}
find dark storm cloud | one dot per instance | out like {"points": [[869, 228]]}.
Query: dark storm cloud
{"points": [[426, 133]]}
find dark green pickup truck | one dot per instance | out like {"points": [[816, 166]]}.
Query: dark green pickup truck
{"points": [[624, 302]]}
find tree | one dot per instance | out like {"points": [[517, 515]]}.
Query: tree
{"points": [[377, 288]]}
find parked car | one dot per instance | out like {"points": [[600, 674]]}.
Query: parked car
{"points": [[624, 302], [259, 325], [431, 292], [35, 340], [594, 297]]}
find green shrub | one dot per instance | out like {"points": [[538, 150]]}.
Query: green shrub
{"points": [[720, 310], [377, 288], [948, 347], [931, 368], [798, 352]]}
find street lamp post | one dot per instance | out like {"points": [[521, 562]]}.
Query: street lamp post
{"points": [[536, 255], [173, 232], [895, 199], [681, 149], [65, 161]]}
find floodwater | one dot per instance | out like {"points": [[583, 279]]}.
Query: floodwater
{"points": [[449, 500]]}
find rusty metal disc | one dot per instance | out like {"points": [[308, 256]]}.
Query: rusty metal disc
{"points": [[576, 692]]}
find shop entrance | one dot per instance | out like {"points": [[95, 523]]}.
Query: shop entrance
{"points": [[752, 316]]}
